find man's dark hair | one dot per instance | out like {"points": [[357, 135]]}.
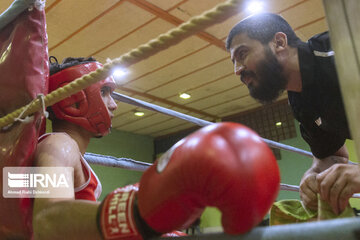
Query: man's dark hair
{"points": [[67, 62], [262, 27]]}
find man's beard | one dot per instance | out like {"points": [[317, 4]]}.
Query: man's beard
{"points": [[269, 78]]}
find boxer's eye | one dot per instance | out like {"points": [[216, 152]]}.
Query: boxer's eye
{"points": [[105, 90]]}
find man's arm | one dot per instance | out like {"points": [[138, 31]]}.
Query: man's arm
{"points": [[55, 218], [309, 185], [337, 184], [65, 219]]}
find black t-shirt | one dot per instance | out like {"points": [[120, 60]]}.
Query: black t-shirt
{"points": [[319, 107]]}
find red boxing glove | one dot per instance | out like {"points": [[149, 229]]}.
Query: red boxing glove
{"points": [[225, 165]]}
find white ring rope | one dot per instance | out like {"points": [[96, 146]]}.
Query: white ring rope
{"points": [[110, 161], [141, 166], [199, 122], [130, 164]]}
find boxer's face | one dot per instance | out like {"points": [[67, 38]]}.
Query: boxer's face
{"points": [[258, 68], [109, 103], [108, 100]]}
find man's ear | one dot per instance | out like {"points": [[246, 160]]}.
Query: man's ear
{"points": [[279, 42]]}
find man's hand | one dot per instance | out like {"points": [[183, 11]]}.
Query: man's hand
{"points": [[309, 186], [337, 184], [309, 190]]}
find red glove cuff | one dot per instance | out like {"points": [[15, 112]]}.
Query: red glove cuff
{"points": [[116, 216]]}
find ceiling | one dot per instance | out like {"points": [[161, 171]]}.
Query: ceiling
{"points": [[198, 65]]}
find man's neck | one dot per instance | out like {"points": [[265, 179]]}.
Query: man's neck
{"points": [[80, 135], [292, 71], [81, 139]]}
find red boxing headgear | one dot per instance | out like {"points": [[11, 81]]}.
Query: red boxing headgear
{"points": [[85, 108]]}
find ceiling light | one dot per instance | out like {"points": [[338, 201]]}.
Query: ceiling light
{"points": [[255, 7], [185, 96], [139, 114], [278, 124], [119, 72]]}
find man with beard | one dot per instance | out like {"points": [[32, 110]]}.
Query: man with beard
{"points": [[270, 58]]}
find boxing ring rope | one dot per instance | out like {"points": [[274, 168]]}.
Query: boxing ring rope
{"points": [[141, 166], [110, 161], [130, 164], [215, 15], [200, 122], [197, 121]]}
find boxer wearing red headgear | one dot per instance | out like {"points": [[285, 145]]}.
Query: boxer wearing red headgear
{"points": [[86, 107], [75, 120]]}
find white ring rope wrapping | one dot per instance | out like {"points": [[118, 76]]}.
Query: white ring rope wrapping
{"points": [[130, 164]]}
